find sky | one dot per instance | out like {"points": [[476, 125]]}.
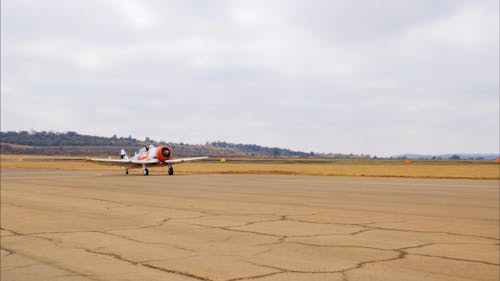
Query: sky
{"points": [[365, 77]]}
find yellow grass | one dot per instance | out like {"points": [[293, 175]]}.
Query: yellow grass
{"points": [[477, 171], [373, 168]]}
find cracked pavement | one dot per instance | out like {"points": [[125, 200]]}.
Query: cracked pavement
{"points": [[92, 225]]}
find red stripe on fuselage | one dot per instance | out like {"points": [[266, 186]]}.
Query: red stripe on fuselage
{"points": [[143, 156]]}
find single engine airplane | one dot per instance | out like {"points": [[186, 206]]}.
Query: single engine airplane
{"points": [[148, 155]]}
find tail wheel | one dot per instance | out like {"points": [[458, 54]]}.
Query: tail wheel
{"points": [[126, 172], [170, 170], [146, 172]]}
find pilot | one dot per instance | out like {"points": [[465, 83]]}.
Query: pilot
{"points": [[146, 146]]}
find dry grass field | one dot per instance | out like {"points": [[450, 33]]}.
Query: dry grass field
{"points": [[323, 167]]}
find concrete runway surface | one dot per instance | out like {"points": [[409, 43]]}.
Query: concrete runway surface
{"points": [[92, 225]]}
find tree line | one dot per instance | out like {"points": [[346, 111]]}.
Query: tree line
{"points": [[66, 139], [48, 139], [257, 149], [45, 138]]}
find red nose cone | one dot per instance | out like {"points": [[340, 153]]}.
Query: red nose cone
{"points": [[163, 153]]}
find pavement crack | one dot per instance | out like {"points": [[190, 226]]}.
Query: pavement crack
{"points": [[35, 235], [107, 201], [455, 259], [9, 252], [400, 255], [361, 231], [163, 221], [117, 207], [256, 276], [113, 255], [282, 239], [238, 230], [186, 274], [147, 242], [342, 246], [197, 217], [138, 263], [369, 226], [414, 247], [286, 270], [263, 251], [256, 222], [11, 231], [430, 232], [9, 268], [89, 231], [52, 264]]}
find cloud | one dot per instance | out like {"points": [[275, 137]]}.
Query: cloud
{"points": [[382, 77]]}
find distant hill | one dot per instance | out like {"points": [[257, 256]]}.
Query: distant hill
{"points": [[455, 156], [72, 143]]}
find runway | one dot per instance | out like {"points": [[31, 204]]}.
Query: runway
{"points": [[93, 225]]}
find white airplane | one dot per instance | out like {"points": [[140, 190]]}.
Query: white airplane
{"points": [[148, 155]]}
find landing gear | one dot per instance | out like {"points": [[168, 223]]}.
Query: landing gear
{"points": [[170, 170], [126, 171], [145, 171]]}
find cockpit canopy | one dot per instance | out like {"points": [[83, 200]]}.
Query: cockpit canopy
{"points": [[142, 150]]}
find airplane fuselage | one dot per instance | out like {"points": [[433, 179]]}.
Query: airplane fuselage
{"points": [[162, 153], [147, 156]]}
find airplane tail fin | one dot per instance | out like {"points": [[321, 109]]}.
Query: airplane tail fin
{"points": [[123, 155]]}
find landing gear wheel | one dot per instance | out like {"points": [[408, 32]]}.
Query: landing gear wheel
{"points": [[146, 172], [126, 172], [170, 170]]}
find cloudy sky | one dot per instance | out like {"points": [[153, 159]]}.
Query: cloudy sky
{"points": [[372, 77]]}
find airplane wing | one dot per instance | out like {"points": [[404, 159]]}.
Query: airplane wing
{"points": [[123, 162], [182, 160]]}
